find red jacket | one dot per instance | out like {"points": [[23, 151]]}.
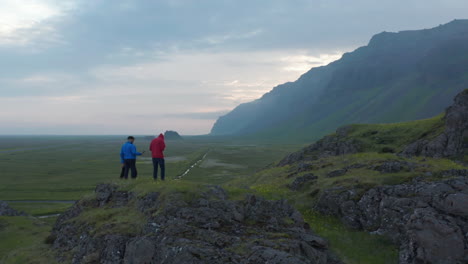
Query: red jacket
{"points": [[157, 147]]}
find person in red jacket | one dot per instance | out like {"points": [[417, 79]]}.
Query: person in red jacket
{"points": [[157, 148]]}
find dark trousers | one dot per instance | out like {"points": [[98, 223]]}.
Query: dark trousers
{"points": [[123, 171], [159, 162], [130, 165]]}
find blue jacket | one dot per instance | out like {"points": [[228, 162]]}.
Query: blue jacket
{"points": [[128, 152]]}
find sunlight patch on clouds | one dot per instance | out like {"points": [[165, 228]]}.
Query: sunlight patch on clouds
{"points": [[237, 83], [68, 99], [38, 79], [21, 21], [303, 63]]}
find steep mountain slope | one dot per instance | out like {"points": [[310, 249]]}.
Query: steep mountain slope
{"points": [[397, 77], [405, 181]]}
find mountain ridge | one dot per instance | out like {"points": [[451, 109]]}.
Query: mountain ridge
{"points": [[414, 73]]}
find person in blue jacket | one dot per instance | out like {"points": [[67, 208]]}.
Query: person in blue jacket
{"points": [[128, 156]]}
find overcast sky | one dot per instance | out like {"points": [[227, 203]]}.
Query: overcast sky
{"points": [[142, 67]]}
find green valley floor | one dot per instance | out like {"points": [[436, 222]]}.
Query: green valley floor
{"points": [[42, 176]]}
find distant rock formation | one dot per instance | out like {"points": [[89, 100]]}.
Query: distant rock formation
{"points": [[172, 135], [208, 229], [6, 210]]}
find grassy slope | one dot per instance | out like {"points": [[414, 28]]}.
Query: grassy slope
{"points": [[376, 140], [325, 126], [375, 137]]}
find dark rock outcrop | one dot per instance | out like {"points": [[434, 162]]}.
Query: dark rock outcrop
{"points": [[6, 210], [337, 173], [455, 172], [108, 192], [301, 167], [428, 219], [394, 166], [104, 193], [206, 229], [454, 140], [301, 181]]}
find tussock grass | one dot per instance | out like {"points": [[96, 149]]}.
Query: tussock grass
{"points": [[23, 241], [393, 137], [125, 220]]}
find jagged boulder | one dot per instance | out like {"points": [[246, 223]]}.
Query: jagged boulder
{"points": [[428, 219], [453, 141], [433, 238], [139, 250], [207, 229], [6, 210], [104, 193]]}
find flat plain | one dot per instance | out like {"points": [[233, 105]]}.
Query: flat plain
{"points": [[64, 168], [44, 175]]}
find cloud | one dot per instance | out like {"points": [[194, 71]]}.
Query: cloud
{"points": [[108, 66], [183, 88], [25, 23], [213, 115], [219, 39]]}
